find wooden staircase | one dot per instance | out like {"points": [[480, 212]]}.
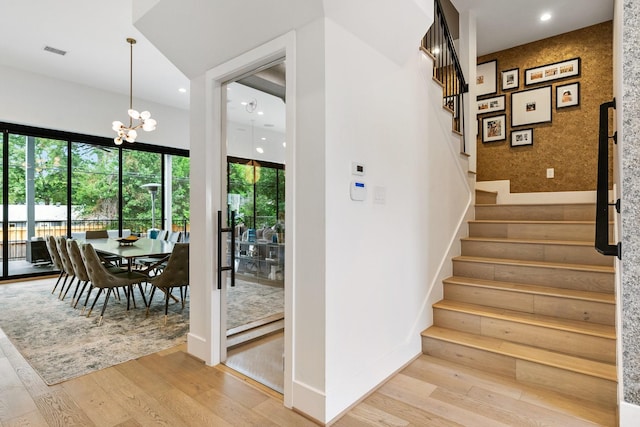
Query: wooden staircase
{"points": [[532, 300]]}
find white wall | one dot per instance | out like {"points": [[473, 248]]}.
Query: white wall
{"points": [[35, 100], [383, 258]]}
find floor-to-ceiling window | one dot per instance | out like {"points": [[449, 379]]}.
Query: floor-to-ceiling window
{"points": [[59, 183], [37, 184], [94, 187], [142, 191], [180, 193]]}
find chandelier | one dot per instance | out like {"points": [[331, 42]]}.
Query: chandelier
{"points": [[142, 120]]}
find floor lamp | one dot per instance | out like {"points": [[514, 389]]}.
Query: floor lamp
{"points": [[152, 233]]}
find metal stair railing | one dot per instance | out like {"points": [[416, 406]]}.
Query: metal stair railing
{"points": [[447, 70]]}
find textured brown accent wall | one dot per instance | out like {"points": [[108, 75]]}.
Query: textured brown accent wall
{"points": [[569, 143]]}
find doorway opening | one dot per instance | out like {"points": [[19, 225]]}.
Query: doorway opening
{"points": [[255, 131]]}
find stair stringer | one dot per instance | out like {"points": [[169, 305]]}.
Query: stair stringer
{"points": [[453, 248]]}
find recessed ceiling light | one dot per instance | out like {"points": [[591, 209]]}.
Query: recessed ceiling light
{"points": [[182, 90], [260, 113], [545, 16], [244, 103], [259, 150], [436, 51], [263, 138], [284, 143]]}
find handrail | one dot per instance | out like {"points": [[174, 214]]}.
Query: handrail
{"points": [[447, 69], [602, 244]]}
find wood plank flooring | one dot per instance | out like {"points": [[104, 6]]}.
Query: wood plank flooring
{"points": [[172, 388]]}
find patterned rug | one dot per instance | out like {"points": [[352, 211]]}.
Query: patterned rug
{"points": [[60, 343]]}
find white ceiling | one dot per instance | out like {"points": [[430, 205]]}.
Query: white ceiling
{"points": [[94, 32], [502, 24]]}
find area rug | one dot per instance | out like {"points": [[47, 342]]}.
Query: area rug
{"points": [[60, 343]]}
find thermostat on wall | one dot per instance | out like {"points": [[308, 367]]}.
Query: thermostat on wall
{"points": [[358, 191], [357, 168]]}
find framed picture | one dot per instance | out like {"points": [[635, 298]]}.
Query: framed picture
{"points": [[521, 137], [494, 128], [555, 71], [567, 95], [491, 105], [451, 103], [531, 106], [486, 79], [510, 79]]}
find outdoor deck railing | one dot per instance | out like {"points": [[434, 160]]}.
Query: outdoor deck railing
{"points": [[17, 239]]}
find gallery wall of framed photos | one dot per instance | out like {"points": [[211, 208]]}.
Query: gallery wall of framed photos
{"points": [[548, 91]]}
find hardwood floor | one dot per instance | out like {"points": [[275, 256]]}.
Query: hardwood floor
{"points": [[174, 389]]}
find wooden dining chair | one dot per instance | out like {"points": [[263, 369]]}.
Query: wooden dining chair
{"points": [[174, 275], [102, 278], [50, 241]]}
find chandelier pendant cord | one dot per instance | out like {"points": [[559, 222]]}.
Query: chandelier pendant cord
{"points": [[143, 119]]}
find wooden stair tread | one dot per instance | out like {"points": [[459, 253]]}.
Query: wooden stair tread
{"points": [[576, 326], [529, 241], [541, 356], [536, 204], [547, 264], [529, 221], [601, 297]]}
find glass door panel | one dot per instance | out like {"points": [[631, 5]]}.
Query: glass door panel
{"points": [[180, 193], [94, 192], [37, 200], [142, 191]]}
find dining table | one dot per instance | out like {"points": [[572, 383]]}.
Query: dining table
{"points": [[130, 250]]}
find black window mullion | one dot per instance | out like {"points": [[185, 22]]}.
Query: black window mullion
{"points": [[120, 195], [5, 204], [69, 183]]}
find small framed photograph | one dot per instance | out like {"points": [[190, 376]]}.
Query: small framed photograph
{"points": [[555, 71], [521, 137], [494, 128], [486, 78], [531, 106], [567, 95], [491, 105], [510, 79]]}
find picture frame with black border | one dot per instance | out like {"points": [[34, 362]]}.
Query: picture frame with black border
{"points": [[486, 78], [494, 128], [491, 105], [510, 79], [531, 106], [554, 71], [521, 137], [567, 95]]}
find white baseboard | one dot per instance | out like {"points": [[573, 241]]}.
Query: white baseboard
{"points": [[309, 401], [197, 346], [506, 197], [629, 414]]}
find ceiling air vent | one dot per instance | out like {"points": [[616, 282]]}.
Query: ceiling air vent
{"points": [[54, 50]]}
